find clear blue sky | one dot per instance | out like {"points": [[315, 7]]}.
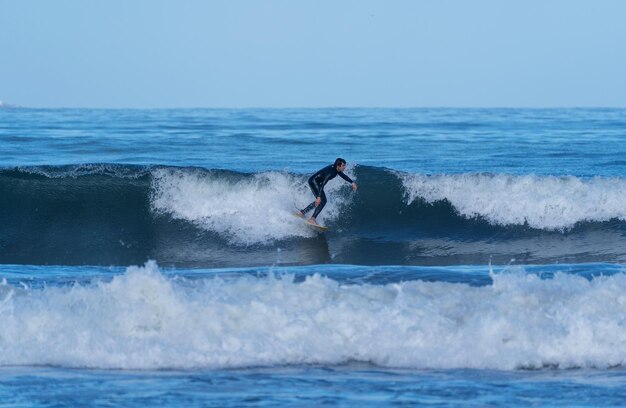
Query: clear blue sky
{"points": [[151, 53]]}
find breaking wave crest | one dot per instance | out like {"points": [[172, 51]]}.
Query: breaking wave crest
{"points": [[546, 202], [143, 319]]}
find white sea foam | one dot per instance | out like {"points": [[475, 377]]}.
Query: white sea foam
{"points": [[245, 210], [551, 203], [144, 320]]}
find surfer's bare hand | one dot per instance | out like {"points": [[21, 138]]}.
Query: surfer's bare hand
{"points": [[354, 187], [318, 200]]}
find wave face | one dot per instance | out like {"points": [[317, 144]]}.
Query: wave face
{"points": [[546, 203], [142, 319], [117, 214]]}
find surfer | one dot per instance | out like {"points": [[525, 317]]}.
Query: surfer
{"points": [[317, 183]]}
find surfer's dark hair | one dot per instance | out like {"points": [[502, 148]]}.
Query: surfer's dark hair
{"points": [[339, 161]]}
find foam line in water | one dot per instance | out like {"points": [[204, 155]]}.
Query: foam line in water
{"points": [[543, 202], [79, 170], [144, 320]]}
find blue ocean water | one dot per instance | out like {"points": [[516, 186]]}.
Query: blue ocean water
{"points": [[150, 257]]}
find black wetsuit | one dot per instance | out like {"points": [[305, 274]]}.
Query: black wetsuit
{"points": [[317, 183]]}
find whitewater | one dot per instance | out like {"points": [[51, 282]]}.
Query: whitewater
{"points": [[142, 319]]}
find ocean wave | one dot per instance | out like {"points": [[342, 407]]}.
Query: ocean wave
{"points": [[117, 214], [145, 320], [541, 202]]}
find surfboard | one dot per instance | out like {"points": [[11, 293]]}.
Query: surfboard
{"points": [[316, 227]]}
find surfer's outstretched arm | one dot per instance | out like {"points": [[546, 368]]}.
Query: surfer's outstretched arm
{"points": [[345, 177], [348, 179]]}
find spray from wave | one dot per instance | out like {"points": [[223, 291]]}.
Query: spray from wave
{"points": [[245, 209]]}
